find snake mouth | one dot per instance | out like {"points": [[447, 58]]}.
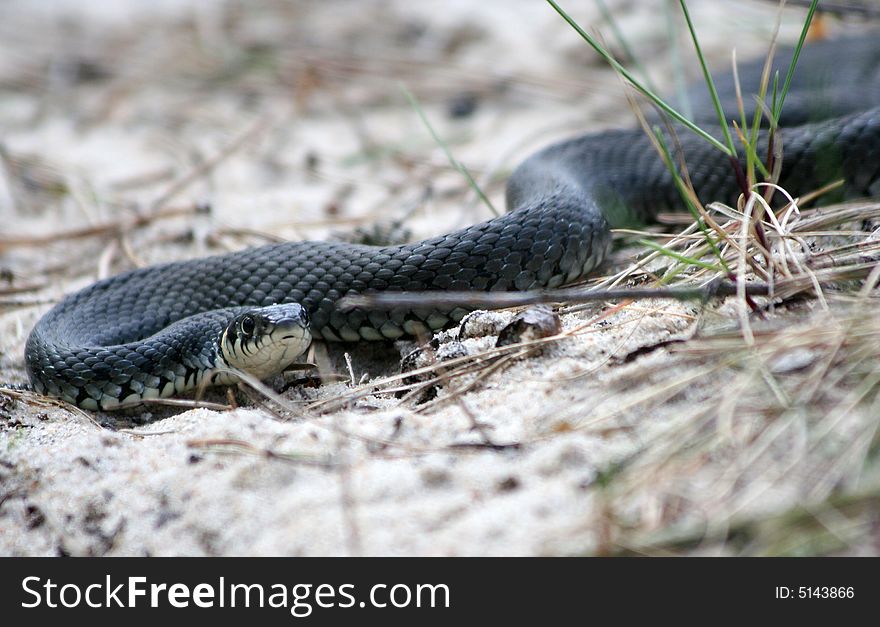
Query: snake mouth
{"points": [[294, 328]]}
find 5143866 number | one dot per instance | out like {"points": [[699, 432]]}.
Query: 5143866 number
{"points": [[815, 592]]}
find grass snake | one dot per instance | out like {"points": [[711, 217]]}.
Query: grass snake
{"points": [[161, 330]]}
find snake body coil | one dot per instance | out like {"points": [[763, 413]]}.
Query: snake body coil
{"points": [[152, 331]]}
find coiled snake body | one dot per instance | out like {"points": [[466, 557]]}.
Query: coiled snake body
{"points": [[154, 331]]}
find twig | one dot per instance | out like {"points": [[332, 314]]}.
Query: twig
{"points": [[497, 300], [99, 230], [479, 427], [202, 169], [228, 445], [19, 289], [176, 402]]}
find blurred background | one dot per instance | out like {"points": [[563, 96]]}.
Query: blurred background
{"points": [[140, 131], [113, 111]]}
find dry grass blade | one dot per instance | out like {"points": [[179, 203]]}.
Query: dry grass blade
{"points": [[822, 436], [114, 227], [240, 447]]}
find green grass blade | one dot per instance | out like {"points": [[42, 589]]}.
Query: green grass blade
{"points": [[624, 44], [683, 192], [679, 257], [678, 76], [716, 101], [797, 53], [457, 165], [666, 108]]}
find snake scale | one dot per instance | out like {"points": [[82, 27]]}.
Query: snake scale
{"points": [[160, 330]]}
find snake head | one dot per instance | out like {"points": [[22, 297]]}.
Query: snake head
{"points": [[264, 340]]}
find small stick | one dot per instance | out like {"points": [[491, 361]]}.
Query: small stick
{"points": [[230, 445], [392, 300], [111, 228], [176, 402], [205, 167]]}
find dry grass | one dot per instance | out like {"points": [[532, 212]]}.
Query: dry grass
{"points": [[785, 405], [752, 431]]}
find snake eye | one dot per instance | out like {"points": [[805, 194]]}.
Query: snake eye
{"points": [[247, 325]]}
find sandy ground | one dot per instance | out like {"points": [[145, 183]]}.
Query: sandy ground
{"points": [[287, 119]]}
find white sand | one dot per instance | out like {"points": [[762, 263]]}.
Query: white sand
{"points": [[323, 79]]}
